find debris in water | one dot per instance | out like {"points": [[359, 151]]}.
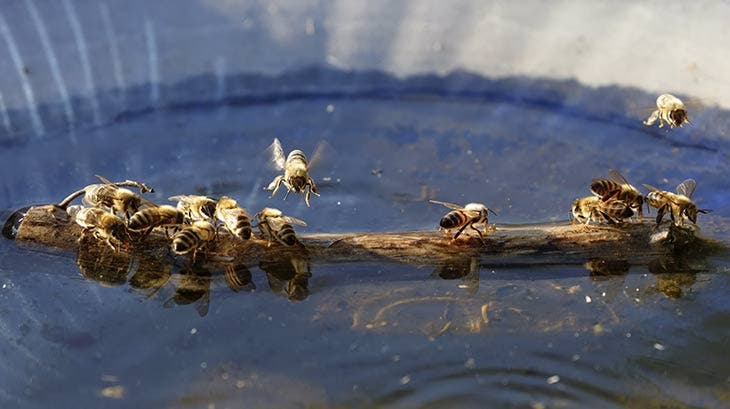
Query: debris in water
{"points": [[659, 347], [553, 379], [404, 380], [113, 392]]}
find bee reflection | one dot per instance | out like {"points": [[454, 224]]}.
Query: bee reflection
{"points": [[288, 276], [98, 263], [238, 277], [674, 276], [609, 275], [465, 268], [193, 287]]}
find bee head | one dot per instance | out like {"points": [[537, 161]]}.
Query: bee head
{"points": [[679, 116], [208, 209], [298, 183], [133, 203]]}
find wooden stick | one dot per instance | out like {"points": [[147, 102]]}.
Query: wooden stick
{"points": [[635, 243]]}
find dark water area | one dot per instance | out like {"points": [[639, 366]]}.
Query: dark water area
{"points": [[78, 331]]}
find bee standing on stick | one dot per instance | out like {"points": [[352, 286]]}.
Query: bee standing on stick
{"points": [[234, 218], [679, 205], [193, 237], [102, 224], [593, 209], [274, 225], [670, 110], [296, 171], [462, 217], [110, 195], [196, 208], [158, 216], [618, 188]]}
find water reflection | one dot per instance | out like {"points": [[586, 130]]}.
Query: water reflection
{"points": [[464, 268], [238, 277], [289, 276], [192, 287], [675, 276]]}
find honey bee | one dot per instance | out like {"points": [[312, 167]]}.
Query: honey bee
{"points": [[296, 172], [618, 188], [110, 195], [233, 217], [671, 110], [593, 209], [193, 237], [679, 205], [102, 224], [195, 208], [158, 216], [274, 225], [462, 217]]}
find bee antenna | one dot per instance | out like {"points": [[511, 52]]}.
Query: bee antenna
{"points": [[705, 211], [493, 212]]}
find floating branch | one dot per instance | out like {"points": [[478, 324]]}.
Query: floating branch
{"points": [[635, 243]]}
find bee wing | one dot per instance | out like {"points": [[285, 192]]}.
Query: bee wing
{"points": [[179, 198], [448, 204], [104, 180], [687, 187], [291, 219], [146, 204], [321, 152], [650, 188], [617, 177], [277, 154]]}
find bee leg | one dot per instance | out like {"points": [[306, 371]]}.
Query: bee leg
{"points": [[313, 187], [288, 190], [275, 185], [306, 197], [481, 237], [456, 236], [652, 118]]}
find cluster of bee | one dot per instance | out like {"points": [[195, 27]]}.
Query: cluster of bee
{"points": [[118, 216], [614, 200]]}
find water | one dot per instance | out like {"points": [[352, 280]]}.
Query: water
{"points": [[504, 334]]}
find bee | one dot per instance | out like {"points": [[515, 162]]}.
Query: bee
{"points": [[296, 172], [109, 195], [462, 217], [618, 188], [102, 224], [158, 216], [193, 237], [671, 110], [233, 217], [679, 205], [274, 225], [593, 209], [195, 208]]}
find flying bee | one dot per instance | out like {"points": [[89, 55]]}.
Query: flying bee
{"points": [[233, 217], [671, 110], [102, 224], [158, 216], [462, 217], [618, 188], [274, 225], [593, 209], [679, 205], [192, 237], [110, 195], [195, 208], [296, 171]]}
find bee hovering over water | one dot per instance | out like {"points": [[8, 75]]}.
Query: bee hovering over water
{"points": [[618, 188], [274, 225], [296, 171], [462, 217], [234, 218], [670, 110], [193, 237], [102, 224], [195, 208], [679, 205], [158, 216], [593, 209], [110, 195]]}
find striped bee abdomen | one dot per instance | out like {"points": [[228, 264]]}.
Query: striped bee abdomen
{"points": [[286, 235], [605, 188], [185, 241], [454, 220], [243, 227]]}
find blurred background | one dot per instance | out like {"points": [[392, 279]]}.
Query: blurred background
{"points": [[514, 104]]}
